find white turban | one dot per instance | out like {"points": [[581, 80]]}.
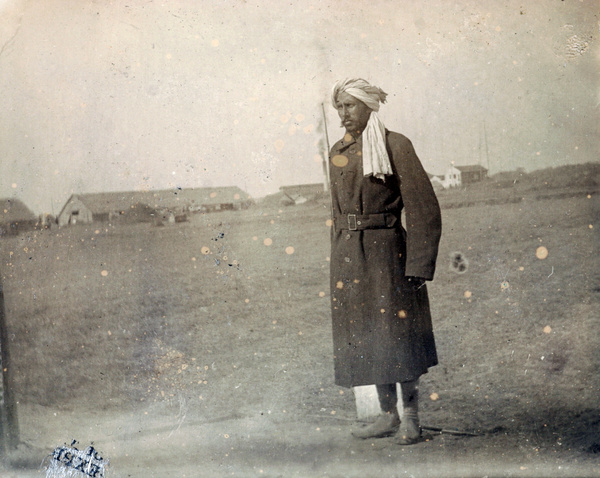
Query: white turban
{"points": [[375, 158]]}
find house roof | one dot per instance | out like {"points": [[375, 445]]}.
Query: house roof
{"points": [[303, 189], [471, 168], [14, 210], [158, 199]]}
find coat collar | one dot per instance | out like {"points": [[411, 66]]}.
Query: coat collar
{"points": [[346, 141]]}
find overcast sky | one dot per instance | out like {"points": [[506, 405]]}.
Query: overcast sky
{"points": [[100, 95]]}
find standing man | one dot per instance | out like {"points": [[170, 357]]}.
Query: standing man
{"points": [[382, 331]]}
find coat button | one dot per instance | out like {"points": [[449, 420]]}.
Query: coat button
{"points": [[347, 259], [348, 236], [358, 222]]}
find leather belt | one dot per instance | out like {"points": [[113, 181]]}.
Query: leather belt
{"points": [[355, 222]]}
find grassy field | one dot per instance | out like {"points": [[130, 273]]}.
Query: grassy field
{"points": [[215, 335]]}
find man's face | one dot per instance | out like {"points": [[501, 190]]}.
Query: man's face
{"points": [[353, 113]]}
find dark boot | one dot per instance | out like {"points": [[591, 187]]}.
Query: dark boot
{"points": [[410, 431]]}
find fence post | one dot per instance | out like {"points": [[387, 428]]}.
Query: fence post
{"points": [[9, 423]]}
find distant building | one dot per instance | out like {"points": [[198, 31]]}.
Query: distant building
{"points": [[472, 174], [76, 211], [144, 206], [227, 198], [104, 207], [301, 193], [453, 179], [15, 217], [457, 176]]}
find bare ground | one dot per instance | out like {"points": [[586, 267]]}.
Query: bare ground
{"points": [[198, 350]]}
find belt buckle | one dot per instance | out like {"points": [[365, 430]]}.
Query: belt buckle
{"points": [[352, 222]]}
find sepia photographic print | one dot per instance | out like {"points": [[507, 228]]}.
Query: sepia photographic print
{"points": [[299, 239]]}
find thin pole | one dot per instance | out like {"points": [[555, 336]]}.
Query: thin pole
{"points": [[479, 161], [487, 151], [10, 423], [325, 168]]}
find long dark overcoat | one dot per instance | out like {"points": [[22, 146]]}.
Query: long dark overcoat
{"points": [[382, 330]]}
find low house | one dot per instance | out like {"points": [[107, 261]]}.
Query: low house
{"points": [[453, 177], [104, 207], [472, 173], [226, 198], [301, 193], [15, 217], [458, 176], [170, 205]]}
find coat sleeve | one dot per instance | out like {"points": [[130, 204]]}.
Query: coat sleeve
{"points": [[422, 210]]}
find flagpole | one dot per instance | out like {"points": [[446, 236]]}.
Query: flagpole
{"points": [[9, 423], [325, 168]]}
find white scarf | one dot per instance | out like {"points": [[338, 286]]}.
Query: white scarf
{"points": [[375, 158]]}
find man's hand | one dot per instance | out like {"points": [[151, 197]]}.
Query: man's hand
{"points": [[416, 282]]}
